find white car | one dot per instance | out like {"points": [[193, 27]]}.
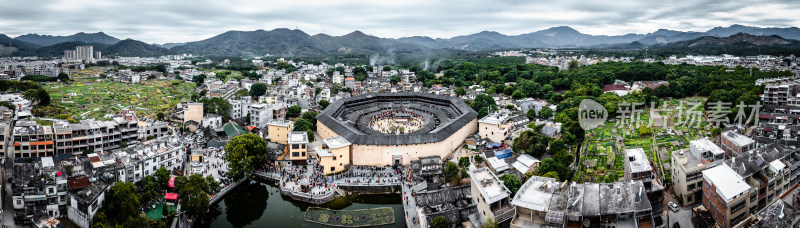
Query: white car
{"points": [[673, 206]]}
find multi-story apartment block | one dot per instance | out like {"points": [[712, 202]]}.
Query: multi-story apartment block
{"points": [[151, 129], [727, 195], [297, 146], [37, 189], [278, 131], [780, 94], [751, 181], [239, 108], [93, 135], [491, 196], [545, 202], [493, 127], [32, 140], [5, 131], [334, 154], [86, 198], [637, 168], [687, 168], [260, 114], [734, 143]]}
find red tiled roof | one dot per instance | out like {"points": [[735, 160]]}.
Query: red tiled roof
{"points": [[613, 87], [78, 182]]}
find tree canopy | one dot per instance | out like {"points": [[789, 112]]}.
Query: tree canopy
{"points": [[244, 153], [258, 89]]}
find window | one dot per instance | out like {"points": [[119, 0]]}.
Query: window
{"points": [[295, 146], [334, 158], [295, 154], [738, 206], [333, 168], [304, 153]]}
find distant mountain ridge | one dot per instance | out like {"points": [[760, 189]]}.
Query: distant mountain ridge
{"points": [[47, 40], [289, 42]]}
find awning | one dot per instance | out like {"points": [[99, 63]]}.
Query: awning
{"points": [[171, 182], [171, 196]]}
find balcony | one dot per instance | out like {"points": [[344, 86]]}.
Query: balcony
{"points": [[503, 213]]}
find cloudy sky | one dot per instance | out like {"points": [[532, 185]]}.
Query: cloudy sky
{"points": [[162, 21]]}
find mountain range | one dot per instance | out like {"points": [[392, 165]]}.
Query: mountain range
{"points": [[288, 42]]}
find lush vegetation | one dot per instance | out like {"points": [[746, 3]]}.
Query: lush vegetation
{"points": [[92, 98], [244, 154], [352, 218]]}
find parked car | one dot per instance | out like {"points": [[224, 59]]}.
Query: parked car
{"points": [[673, 206]]}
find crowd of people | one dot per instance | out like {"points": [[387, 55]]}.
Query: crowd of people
{"points": [[396, 122]]}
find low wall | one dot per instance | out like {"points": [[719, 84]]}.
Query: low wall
{"points": [[369, 189], [309, 198]]}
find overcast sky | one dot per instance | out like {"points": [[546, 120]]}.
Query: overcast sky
{"points": [[162, 21]]}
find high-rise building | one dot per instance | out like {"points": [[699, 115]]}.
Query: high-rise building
{"points": [[70, 54], [98, 55], [85, 52]]}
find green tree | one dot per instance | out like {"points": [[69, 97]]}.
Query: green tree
{"points": [[531, 114], [563, 157], [302, 125], [439, 222], [509, 90], [324, 104], [63, 77], [121, 205], [244, 153], [180, 181], [311, 117], [258, 89], [294, 111], [213, 185], [241, 93], [310, 134], [511, 182], [482, 104], [216, 105], [460, 91], [518, 94], [199, 79], [478, 159], [160, 116], [463, 162], [162, 176], [394, 79], [387, 68], [545, 113], [150, 189], [490, 223], [531, 142], [193, 196], [452, 171], [573, 64], [551, 174]]}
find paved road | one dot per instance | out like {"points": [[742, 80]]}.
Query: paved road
{"points": [[8, 211], [682, 217]]}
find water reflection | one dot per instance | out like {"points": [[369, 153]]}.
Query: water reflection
{"points": [[258, 204]]}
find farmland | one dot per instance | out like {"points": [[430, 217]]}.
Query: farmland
{"points": [[603, 159], [86, 98]]}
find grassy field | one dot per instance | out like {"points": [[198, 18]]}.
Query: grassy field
{"points": [[102, 98]]}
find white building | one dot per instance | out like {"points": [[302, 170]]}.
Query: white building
{"points": [[260, 114]]}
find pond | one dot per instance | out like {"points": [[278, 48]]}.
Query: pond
{"points": [[259, 204]]}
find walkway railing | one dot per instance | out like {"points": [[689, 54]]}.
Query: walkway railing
{"points": [[225, 190]]}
